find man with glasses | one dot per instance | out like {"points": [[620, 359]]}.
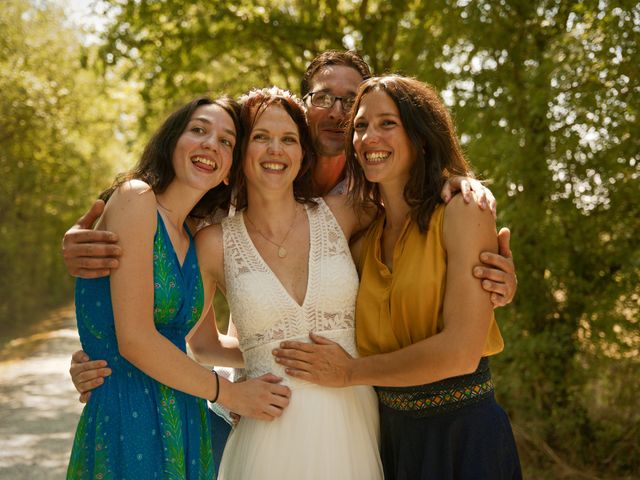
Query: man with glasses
{"points": [[328, 88]]}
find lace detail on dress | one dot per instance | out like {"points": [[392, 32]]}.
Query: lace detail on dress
{"points": [[264, 312]]}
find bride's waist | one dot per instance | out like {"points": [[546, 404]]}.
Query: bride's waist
{"points": [[259, 359]]}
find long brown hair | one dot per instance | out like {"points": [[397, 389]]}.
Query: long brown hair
{"points": [[252, 105], [155, 166], [432, 132]]}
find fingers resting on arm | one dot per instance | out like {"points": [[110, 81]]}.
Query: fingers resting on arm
{"points": [[497, 272], [86, 374], [90, 253], [471, 190]]}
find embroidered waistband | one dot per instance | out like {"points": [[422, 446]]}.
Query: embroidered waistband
{"points": [[445, 395]]}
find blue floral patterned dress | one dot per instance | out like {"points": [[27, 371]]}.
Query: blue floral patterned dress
{"points": [[133, 426]]}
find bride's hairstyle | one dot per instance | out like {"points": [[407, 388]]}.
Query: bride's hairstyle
{"points": [[254, 104]]}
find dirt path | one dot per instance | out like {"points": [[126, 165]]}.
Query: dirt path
{"points": [[38, 404]]}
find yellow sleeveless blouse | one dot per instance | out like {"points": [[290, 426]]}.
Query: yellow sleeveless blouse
{"points": [[399, 308]]}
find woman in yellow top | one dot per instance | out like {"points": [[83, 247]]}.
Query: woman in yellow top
{"points": [[424, 325]]}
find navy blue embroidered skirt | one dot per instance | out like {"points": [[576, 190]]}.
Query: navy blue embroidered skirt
{"points": [[452, 429]]}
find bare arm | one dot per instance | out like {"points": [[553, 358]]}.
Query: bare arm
{"points": [[90, 253], [132, 216], [497, 271], [456, 350], [208, 345]]}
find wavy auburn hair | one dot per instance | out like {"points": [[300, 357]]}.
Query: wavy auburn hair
{"points": [[254, 104], [432, 132]]}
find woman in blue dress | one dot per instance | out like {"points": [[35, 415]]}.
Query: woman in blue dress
{"points": [[149, 419]]}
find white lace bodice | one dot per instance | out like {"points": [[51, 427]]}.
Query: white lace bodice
{"points": [[263, 311]]}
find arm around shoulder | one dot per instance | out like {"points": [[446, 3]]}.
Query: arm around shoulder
{"points": [[207, 344]]}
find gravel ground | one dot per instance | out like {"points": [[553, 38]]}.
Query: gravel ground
{"points": [[39, 409]]}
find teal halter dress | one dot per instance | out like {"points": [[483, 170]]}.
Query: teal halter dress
{"points": [[134, 427]]}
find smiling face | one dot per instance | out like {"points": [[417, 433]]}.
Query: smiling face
{"points": [[327, 124], [274, 154], [380, 141], [204, 152]]}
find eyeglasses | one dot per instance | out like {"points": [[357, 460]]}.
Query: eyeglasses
{"points": [[326, 100]]}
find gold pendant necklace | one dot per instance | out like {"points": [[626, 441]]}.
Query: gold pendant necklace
{"points": [[282, 252]]}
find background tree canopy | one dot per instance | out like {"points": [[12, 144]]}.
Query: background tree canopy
{"points": [[62, 127], [546, 98]]}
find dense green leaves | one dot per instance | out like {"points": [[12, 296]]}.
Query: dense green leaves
{"points": [[59, 129]]}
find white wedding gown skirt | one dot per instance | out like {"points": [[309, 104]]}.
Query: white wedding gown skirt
{"points": [[325, 433]]}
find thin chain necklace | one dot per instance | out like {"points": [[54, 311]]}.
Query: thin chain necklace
{"points": [[282, 252]]}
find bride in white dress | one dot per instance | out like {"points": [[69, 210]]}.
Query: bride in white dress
{"points": [[284, 262]]}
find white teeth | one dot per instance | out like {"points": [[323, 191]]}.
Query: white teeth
{"points": [[273, 166], [205, 161], [376, 157]]}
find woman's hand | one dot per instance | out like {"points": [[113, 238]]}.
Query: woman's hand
{"points": [[322, 362], [260, 398]]}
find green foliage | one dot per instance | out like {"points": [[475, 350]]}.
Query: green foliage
{"points": [[59, 136], [555, 106]]}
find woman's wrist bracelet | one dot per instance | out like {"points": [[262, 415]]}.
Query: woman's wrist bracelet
{"points": [[215, 399]]}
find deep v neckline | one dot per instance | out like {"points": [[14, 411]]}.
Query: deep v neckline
{"points": [[173, 248], [264, 263]]}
